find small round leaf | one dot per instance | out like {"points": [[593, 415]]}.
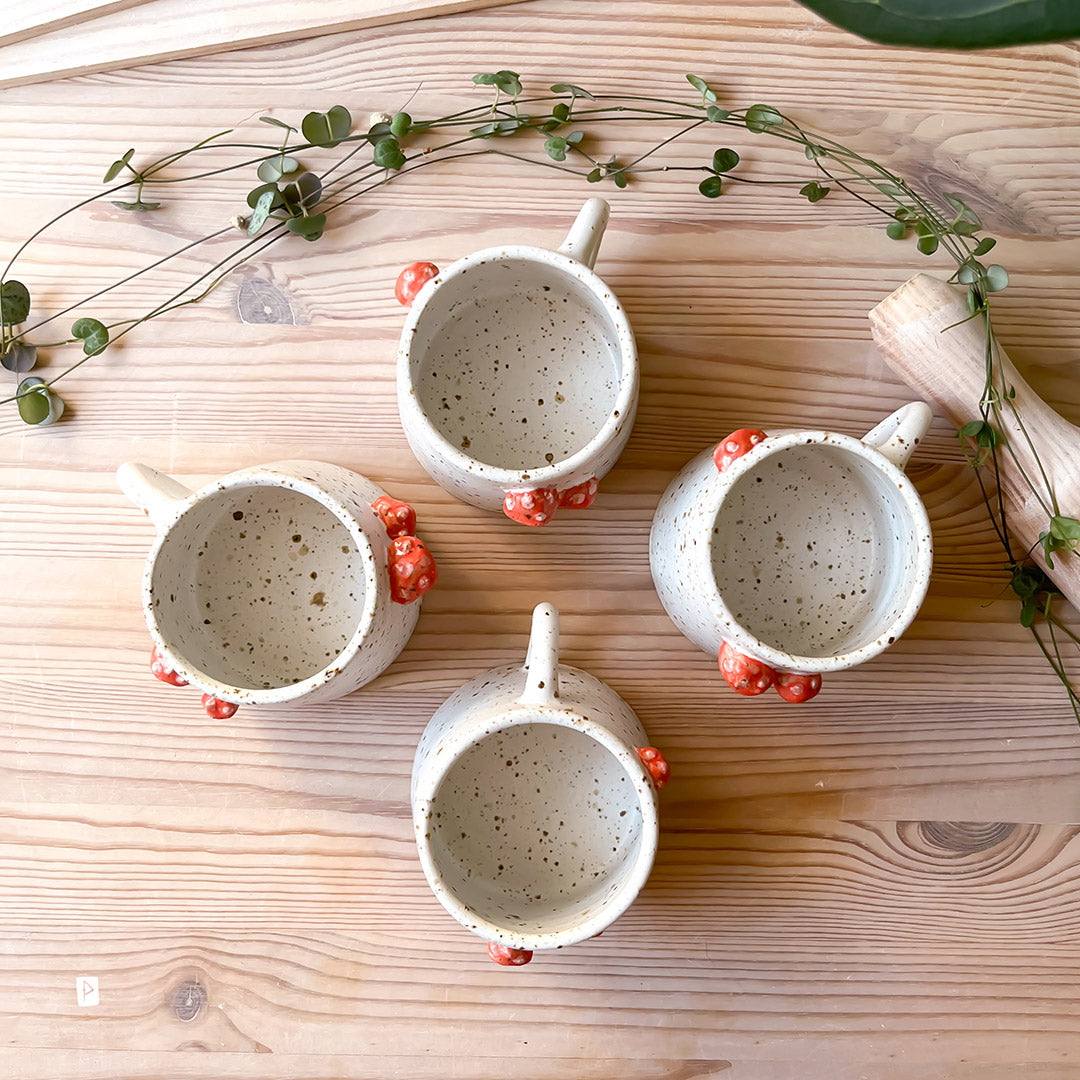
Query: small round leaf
{"points": [[928, 244], [760, 118], [310, 228], [93, 334], [997, 277], [716, 114], [895, 230], [724, 160], [20, 357], [400, 124], [261, 211], [388, 153], [14, 302], [274, 168], [711, 187], [37, 403]]}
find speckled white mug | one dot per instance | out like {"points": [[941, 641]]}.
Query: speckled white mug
{"points": [[811, 552], [517, 375], [275, 583], [534, 802]]}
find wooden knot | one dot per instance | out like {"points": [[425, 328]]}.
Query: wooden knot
{"points": [[965, 836], [188, 999], [259, 300]]}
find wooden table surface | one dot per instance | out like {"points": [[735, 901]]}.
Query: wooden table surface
{"points": [[881, 885]]}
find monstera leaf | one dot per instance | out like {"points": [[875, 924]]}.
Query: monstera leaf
{"points": [[954, 24]]}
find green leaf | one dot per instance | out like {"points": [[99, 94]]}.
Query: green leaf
{"points": [[573, 91], [388, 153], [561, 112], [965, 228], [984, 245], [508, 82], [114, 169], [33, 401], [274, 168], [328, 128], [997, 277], [814, 192], [957, 24], [401, 124], [310, 228], [760, 118], [724, 160], [707, 93], [555, 145], [896, 230], [620, 179], [261, 211], [928, 244], [14, 302], [550, 125], [276, 122], [256, 194], [595, 176], [971, 429], [961, 209], [20, 357], [575, 137], [812, 152], [970, 272], [139, 206], [92, 334], [711, 187], [378, 131], [1027, 612], [716, 114], [1049, 545], [1066, 529]]}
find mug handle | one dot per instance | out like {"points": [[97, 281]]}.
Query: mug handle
{"points": [[542, 660], [160, 496], [897, 436], [582, 242]]}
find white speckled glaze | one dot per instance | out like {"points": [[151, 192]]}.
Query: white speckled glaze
{"points": [[535, 819], [812, 552], [270, 584], [517, 369]]}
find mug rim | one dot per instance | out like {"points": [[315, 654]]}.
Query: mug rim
{"points": [[541, 476], [920, 522], [513, 716], [262, 476]]}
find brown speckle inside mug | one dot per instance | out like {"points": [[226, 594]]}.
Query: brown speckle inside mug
{"points": [[518, 364], [265, 586], [536, 825]]}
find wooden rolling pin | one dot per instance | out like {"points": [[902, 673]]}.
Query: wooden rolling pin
{"points": [[949, 370]]}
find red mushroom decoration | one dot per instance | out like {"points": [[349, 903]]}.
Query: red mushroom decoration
{"points": [[580, 496], [531, 507], [218, 709], [398, 517], [508, 957], [796, 687], [412, 569], [412, 279], [744, 674], [161, 670], [735, 445], [655, 765]]}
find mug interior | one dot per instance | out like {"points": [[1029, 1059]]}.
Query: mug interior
{"points": [[258, 586], [815, 550], [536, 828], [516, 363]]}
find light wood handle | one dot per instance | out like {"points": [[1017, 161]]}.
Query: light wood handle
{"points": [[946, 364]]}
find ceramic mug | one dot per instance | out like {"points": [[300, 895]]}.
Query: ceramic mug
{"points": [[292, 581], [518, 376], [534, 802], [795, 553]]}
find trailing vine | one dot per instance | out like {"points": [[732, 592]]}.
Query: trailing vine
{"points": [[559, 131]]}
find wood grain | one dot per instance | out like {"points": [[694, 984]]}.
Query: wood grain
{"points": [[166, 30], [880, 886], [23, 21]]}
